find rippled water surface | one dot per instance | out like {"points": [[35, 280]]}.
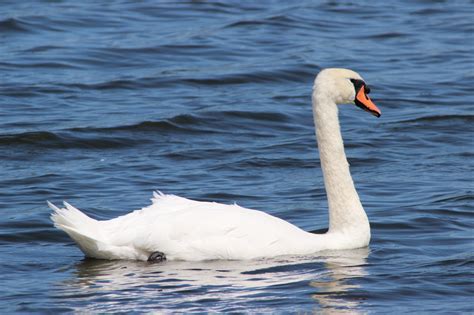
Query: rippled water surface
{"points": [[102, 103]]}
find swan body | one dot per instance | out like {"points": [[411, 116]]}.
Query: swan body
{"points": [[184, 229]]}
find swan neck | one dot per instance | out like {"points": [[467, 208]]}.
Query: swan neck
{"points": [[346, 213]]}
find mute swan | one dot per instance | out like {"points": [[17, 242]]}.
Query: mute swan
{"points": [[177, 228]]}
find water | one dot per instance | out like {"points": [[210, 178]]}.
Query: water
{"points": [[103, 103]]}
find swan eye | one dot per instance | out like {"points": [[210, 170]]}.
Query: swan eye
{"points": [[358, 84]]}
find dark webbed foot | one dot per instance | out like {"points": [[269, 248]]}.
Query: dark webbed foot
{"points": [[157, 257]]}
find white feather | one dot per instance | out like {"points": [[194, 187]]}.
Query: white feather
{"points": [[185, 229]]}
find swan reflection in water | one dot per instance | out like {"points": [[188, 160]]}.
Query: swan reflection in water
{"points": [[257, 285]]}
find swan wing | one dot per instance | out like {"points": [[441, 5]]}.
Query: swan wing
{"points": [[196, 230]]}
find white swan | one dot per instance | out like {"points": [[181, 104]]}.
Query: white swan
{"points": [[177, 228]]}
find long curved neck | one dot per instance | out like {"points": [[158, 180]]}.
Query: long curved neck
{"points": [[346, 213]]}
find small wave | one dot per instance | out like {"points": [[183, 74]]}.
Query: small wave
{"points": [[388, 35], [204, 122], [449, 124], [283, 75], [38, 65], [435, 118], [43, 48], [456, 198], [113, 84], [28, 229], [401, 227], [457, 261], [125, 84], [287, 267], [450, 211], [187, 123], [354, 162], [262, 116], [13, 25], [25, 24], [30, 90], [31, 235], [276, 20], [181, 123], [62, 140], [278, 163], [428, 11], [184, 49], [225, 197]]}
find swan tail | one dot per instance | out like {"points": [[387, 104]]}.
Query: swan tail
{"points": [[81, 228]]}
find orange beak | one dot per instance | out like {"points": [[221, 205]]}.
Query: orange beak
{"points": [[363, 101]]}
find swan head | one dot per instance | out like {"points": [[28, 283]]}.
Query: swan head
{"points": [[344, 86]]}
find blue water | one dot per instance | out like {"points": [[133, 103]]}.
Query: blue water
{"points": [[103, 103]]}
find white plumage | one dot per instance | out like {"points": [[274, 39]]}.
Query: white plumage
{"points": [[185, 229]]}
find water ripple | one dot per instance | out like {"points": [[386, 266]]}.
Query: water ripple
{"points": [[103, 103]]}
